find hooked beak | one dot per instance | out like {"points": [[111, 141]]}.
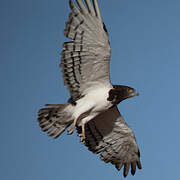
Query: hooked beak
{"points": [[136, 94]]}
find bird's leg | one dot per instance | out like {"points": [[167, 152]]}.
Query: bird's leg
{"points": [[82, 135], [71, 130]]}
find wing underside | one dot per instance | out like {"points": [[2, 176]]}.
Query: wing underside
{"points": [[85, 59], [109, 135]]}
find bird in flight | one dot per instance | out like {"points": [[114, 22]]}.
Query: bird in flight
{"points": [[92, 106]]}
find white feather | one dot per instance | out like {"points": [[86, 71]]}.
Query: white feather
{"points": [[92, 104]]}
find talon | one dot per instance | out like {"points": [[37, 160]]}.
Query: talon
{"points": [[71, 130], [82, 136]]}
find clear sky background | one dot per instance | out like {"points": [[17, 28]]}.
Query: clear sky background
{"points": [[145, 42]]}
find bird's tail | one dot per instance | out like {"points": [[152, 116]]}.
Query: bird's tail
{"points": [[55, 119]]}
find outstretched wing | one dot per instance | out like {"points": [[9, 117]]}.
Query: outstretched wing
{"points": [[109, 135], [85, 59]]}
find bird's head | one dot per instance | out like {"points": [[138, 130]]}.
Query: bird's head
{"points": [[121, 92], [126, 92]]}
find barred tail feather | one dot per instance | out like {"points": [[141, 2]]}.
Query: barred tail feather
{"points": [[54, 119]]}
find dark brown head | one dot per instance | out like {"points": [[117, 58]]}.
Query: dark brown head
{"points": [[120, 93]]}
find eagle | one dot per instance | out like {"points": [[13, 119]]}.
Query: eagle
{"points": [[92, 106]]}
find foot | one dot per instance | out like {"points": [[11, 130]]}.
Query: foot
{"points": [[71, 130], [82, 136]]}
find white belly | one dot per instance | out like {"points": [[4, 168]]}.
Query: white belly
{"points": [[92, 104]]}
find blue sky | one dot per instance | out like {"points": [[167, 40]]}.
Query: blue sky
{"points": [[145, 42]]}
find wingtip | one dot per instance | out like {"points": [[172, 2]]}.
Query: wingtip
{"points": [[133, 172], [126, 169], [139, 165], [133, 168], [125, 175]]}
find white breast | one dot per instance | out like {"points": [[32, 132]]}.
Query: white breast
{"points": [[93, 103]]}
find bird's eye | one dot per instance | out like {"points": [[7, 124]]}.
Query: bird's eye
{"points": [[130, 90]]}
